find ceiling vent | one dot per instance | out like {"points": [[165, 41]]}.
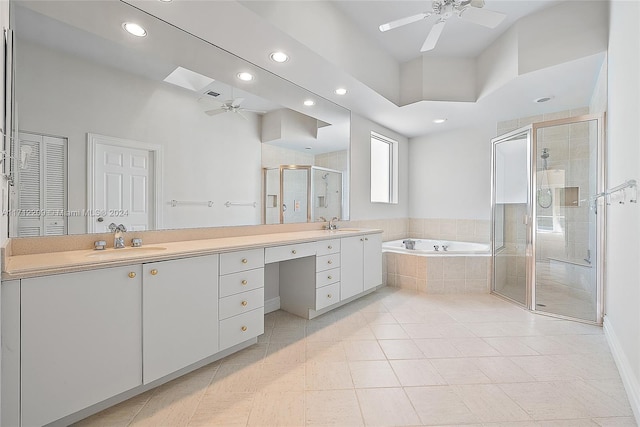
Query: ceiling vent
{"points": [[212, 93]]}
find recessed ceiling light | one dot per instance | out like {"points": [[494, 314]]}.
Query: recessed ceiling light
{"points": [[309, 102], [438, 121], [135, 29], [279, 56], [341, 91], [543, 99], [245, 77]]}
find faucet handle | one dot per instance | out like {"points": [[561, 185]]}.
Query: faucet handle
{"points": [[121, 228], [99, 245], [136, 242], [323, 219]]}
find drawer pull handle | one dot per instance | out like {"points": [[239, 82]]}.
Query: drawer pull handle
{"points": [[244, 328], [329, 277], [244, 283], [366, 238], [244, 303], [330, 247], [328, 295], [244, 260], [154, 272], [293, 252], [329, 262], [132, 275], [362, 240]]}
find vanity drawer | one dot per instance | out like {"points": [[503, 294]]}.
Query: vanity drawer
{"points": [[242, 327], [283, 253], [241, 282], [240, 303], [327, 247], [327, 277], [232, 262], [327, 262], [327, 296]]}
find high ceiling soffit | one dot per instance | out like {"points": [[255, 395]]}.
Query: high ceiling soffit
{"points": [[328, 49]]}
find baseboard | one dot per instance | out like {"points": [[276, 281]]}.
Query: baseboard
{"points": [[629, 380], [272, 304]]}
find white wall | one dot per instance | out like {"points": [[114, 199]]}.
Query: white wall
{"points": [[4, 187], [450, 174], [205, 158], [622, 281], [361, 206]]}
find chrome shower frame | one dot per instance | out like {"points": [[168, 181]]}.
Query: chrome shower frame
{"points": [[530, 251]]}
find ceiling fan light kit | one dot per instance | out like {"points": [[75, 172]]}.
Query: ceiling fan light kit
{"points": [[468, 10]]}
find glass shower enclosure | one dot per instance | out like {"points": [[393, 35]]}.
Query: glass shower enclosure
{"points": [[301, 193], [547, 230]]}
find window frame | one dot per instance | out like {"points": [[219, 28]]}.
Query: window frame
{"points": [[392, 192]]}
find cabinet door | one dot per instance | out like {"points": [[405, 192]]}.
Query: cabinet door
{"points": [[351, 264], [81, 335], [372, 261], [180, 314]]}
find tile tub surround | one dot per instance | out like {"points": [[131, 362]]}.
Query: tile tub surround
{"points": [[461, 230], [437, 274], [399, 357]]}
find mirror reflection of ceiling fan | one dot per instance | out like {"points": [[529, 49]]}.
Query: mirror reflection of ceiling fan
{"points": [[469, 10], [232, 106]]}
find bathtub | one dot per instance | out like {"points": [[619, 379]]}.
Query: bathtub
{"points": [[465, 267], [426, 247]]}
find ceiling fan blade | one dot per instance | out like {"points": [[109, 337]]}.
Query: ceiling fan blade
{"points": [[485, 17], [403, 21], [254, 111], [215, 112], [434, 35], [236, 102]]}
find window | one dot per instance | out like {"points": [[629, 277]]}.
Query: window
{"points": [[384, 169]]}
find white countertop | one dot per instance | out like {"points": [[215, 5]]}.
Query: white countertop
{"points": [[42, 264]]}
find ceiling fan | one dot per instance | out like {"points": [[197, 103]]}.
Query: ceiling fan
{"points": [[232, 106], [469, 10]]}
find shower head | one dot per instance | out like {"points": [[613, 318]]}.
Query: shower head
{"points": [[545, 153], [545, 156]]}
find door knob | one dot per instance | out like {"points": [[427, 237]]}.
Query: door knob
{"points": [[100, 219], [154, 272], [132, 275]]}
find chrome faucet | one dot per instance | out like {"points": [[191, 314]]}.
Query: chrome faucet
{"points": [[118, 241], [333, 226]]}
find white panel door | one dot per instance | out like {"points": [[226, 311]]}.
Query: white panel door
{"points": [[122, 187], [179, 314]]}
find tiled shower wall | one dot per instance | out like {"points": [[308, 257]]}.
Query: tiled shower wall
{"points": [[570, 149]]}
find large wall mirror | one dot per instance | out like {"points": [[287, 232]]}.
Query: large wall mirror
{"points": [[159, 132]]}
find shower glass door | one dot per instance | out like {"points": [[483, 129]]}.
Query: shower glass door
{"points": [[295, 187], [566, 172], [511, 198]]}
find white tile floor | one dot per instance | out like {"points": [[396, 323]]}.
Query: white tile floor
{"points": [[398, 357]]}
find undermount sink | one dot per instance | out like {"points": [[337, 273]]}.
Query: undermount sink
{"points": [[126, 252]]}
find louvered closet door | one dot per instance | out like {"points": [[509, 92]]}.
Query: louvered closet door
{"points": [[41, 177]]}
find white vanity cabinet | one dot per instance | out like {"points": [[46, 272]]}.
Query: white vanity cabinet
{"points": [[361, 264], [241, 303], [312, 283], [179, 314], [80, 340]]}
